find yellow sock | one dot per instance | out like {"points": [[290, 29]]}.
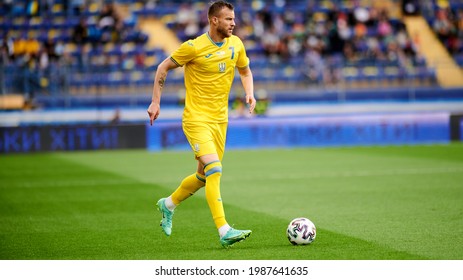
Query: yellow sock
{"points": [[188, 187], [213, 171]]}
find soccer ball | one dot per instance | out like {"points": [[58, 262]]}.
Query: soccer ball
{"points": [[301, 231]]}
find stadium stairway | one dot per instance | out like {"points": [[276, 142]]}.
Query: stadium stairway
{"points": [[159, 35], [448, 73]]}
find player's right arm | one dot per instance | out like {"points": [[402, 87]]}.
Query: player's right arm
{"points": [[159, 80]]}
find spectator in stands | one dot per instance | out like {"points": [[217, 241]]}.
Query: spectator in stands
{"points": [[33, 8], [25, 46], [107, 16], [77, 6], [258, 26], [459, 24], [271, 43], [7, 5], [360, 30], [30, 80], [373, 51], [110, 24], [335, 44], [140, 59], [361, 14], [44, 59], [444, 27], [83, 59], [313, 65], [406, 44], [49, 47], [349, 53], [187, 21], [344, 30], [19, 46], [7, 48], [294, 46], [384, 27], [80, 32]]}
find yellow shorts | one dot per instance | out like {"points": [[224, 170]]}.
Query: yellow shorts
{"points": [[206, 138]]}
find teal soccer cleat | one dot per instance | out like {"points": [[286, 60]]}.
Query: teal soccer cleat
{"points": [[166, 222], [233, 236]]}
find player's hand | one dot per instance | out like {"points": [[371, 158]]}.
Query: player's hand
{"points": [[251, 101], [153, 112]]}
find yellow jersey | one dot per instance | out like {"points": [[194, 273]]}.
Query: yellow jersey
{"points": [[209, 74]]}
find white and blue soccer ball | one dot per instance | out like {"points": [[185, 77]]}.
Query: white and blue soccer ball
{"points": [[301, 231]]}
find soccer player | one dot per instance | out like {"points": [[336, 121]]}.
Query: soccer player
{"points": [[210, 61]]}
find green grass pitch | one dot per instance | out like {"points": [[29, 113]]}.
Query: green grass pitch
{"points": [[380, 203]]}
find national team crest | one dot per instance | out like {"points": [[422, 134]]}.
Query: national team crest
{"points": [[222, 66]]}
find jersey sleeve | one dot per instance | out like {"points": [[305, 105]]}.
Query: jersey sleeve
{"points": [[184, 54], [243, 60]]}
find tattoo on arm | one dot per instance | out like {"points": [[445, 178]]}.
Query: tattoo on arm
{"points": [[161, 81]]}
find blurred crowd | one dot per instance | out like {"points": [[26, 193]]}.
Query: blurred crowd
{"points": [[322, 34], [41, 38], [288, 28], [315, 38], [447, 23]]}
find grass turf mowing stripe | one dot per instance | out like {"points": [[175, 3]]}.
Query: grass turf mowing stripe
{"points": [[114, 237], [47, 211]]}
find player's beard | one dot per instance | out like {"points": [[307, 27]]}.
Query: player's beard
{"points": [[223, 32]]}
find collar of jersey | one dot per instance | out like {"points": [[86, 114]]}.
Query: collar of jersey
{"points": [[219, 44]]}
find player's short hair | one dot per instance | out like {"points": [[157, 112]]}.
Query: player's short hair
{"points": [[217, 6]]}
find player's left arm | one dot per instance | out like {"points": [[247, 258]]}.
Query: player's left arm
{"points": [[248, 85]]}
